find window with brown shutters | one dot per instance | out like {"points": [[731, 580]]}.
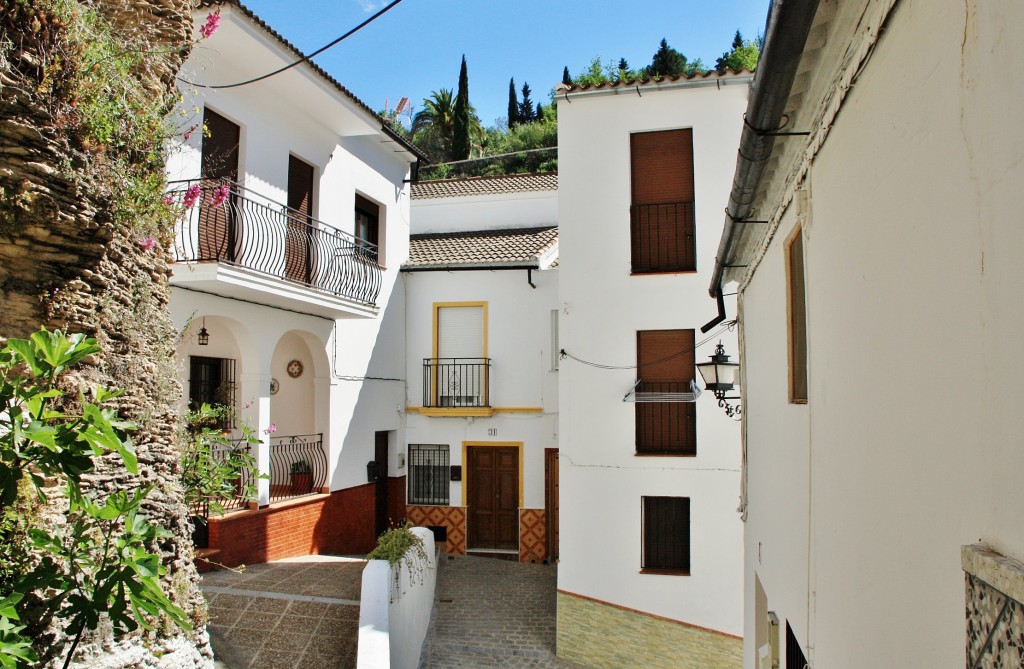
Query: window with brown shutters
{"points": [[797, 318], [662, 232], [665, 364], [666, 535], [367, 229], [219, 235], [298, 249]]}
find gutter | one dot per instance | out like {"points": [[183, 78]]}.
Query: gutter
{"points": [[789, 24]]}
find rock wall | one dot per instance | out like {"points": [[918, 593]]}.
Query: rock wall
{"points": [[76, 209]]}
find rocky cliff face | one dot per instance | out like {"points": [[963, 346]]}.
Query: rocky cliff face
{"points": [[85, 88]]}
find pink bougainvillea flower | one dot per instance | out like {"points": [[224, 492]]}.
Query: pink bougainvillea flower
{"points": [[192, 196], [248, 404], [168, 199], [147, 243], [188, 133], [211, 25], [219, 196], [272, 429]]}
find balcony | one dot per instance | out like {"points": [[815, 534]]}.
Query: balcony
{"points": [[457, 386], [662, 237], [238, 243]]}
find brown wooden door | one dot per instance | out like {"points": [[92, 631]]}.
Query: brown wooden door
{"points": [[380, 454], [493, 490], [551, 501], [218, 226], [299, 236]]}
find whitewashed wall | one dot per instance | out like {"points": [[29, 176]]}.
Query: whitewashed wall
{"points": [[602, 309], [486, 212], [297, 113], [393, 619], [519, 345], [911, 437]]}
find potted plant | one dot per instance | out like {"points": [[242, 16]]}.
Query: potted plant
{"points": [[302, 478]]}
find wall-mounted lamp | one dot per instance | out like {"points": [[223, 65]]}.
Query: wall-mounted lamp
{"points": [[720, 376], [204, 336]]}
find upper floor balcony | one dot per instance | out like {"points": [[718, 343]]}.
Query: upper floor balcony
{"points": [[457, 385], [234, 242]]}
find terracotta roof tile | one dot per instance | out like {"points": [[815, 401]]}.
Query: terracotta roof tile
{"points": [[648, 83], [491, 185], [483, 248]]}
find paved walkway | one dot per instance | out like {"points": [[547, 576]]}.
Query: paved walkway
{"points": [[301, 612], [493, 613], [304, 613]]}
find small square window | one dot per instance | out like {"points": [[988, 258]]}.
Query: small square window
{"points": [[429, 474]]}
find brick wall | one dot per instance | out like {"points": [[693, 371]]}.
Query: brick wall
{"points": [[604, 636], [341, 523]]}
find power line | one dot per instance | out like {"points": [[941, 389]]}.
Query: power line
{"points": [[299, 61], [727, 326]]}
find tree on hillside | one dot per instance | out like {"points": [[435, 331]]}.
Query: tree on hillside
{"points": [[566, 79], [513, 104], [460, 130], [540, 112], [667, 62], [623, 65], [433, 127], [744, 55], [526, 111]]}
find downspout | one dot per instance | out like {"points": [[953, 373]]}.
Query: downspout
{"points": [[789, 24]]}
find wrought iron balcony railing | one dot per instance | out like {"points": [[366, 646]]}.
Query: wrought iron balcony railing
{"points": [[298, 466], [456, 382], [662, 237], [226, 222]]}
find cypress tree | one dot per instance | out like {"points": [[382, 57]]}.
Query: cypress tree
{"points": [[566, 79], [526, 111], [540, 112], [460, 138], [513, 105]]}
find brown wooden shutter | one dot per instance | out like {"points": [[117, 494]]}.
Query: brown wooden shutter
{"points": [[797, 320], [662, 210], [218, 229], [665, 364], [299, 237], [662, 166], [666, 534]]}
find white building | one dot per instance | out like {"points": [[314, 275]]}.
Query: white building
{"points": [[651, 543], [286, 286], [481, 341], [881, 317]]}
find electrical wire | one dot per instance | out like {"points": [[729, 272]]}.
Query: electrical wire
{"points": [[728, 325], [304, 59]]}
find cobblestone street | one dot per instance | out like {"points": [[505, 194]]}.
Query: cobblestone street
{"points": [[493, 613]]}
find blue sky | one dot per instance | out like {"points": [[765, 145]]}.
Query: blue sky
{"points": [[417, 46]]}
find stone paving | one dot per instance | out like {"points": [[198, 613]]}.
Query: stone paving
{"points": [[493, 613], [301, 612]]}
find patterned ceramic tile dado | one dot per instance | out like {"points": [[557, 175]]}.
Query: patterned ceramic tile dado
{"points": [[452, 518], [995, 628], [532, 536]]}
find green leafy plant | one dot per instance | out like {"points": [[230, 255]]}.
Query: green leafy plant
{"points": [[301, 467], [98, 564], [398, 545], [215, 468]]}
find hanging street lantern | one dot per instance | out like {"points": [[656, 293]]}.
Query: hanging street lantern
{"points": [[720, 376], [204, 336]]}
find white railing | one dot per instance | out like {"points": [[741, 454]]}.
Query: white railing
{"points": [[395, 607]]}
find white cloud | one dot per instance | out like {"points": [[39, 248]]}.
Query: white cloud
{"points": [[371, 5]]}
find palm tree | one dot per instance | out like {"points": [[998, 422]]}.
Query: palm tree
{"points": [[433, 127]]}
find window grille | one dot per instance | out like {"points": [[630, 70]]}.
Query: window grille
{"points": [[212, 381], [428, 474]]}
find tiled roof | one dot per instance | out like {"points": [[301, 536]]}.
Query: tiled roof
{"points": [[493, 185], [319, 70], [481, 248], [648, 83]]}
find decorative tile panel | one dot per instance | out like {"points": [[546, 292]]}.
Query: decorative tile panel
{"points": [[452, 518], [533, 545]]}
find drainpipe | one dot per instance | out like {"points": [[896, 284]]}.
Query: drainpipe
{"points": [[789, 23]]}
